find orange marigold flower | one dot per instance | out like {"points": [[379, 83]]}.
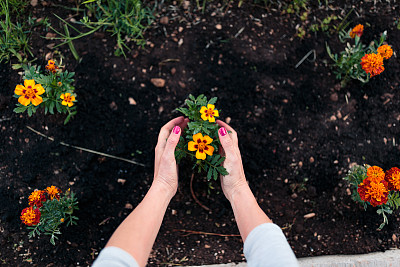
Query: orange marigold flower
{"points": [[376, 193], [372, 64], [30, 216], [357, 30], [53, 192], [385, 51], [201, 145], [51, 66], [37, 198], [392, 176], [375, 174], [67, 99], [30, 92], [208, 113], [62, 220]]}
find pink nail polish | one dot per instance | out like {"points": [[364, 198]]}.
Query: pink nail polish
{"points": [[222, 131], [176, 130]]}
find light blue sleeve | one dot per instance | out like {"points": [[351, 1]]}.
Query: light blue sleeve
{"points": [[266, 246], [114, 257]]}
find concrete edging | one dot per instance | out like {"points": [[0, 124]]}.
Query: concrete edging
{"points": [[390, 258]]}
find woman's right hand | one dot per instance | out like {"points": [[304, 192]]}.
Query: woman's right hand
{"points": [[235, 180]]}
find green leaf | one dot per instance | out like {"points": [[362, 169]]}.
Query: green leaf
{"points": [[222, 171], [67, 119], [213, 100], [51, 107], [209, 173], [220, 161], [20, 109], [215, 174], [215, 159], [58, 107], [189, 102]]}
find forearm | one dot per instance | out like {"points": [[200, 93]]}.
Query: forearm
{"points": [[248, 213], [137, 233]]}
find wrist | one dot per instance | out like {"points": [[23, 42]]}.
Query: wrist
{"points": [[163, 188], [240, 188]]}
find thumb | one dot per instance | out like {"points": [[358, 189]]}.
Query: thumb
{"points": [[226, 141], [172, 141]]}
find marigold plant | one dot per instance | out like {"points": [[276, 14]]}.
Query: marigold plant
{"points": [[372, 186], [47, 210], [51, 89], [358, 61], [200, 140]]}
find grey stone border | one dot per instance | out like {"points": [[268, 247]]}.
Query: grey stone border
{"points": [[390, 258]]}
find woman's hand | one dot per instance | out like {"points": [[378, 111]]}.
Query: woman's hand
{"points": [[236, 179], [165, 167]]}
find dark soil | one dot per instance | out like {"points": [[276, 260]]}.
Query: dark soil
{"points": [[299, 132]]}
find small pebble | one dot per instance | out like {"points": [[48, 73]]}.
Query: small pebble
{"points": [[158, 82], [164, 20], [309, 215], [132, 101]]}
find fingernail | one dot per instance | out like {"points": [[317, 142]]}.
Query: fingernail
{"points": [[176, 130], [222, 131]]}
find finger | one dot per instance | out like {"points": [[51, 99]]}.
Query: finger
{"points": [[166, 130], [172, 141], [229, 128], [226, 141], [224, 124], [184, 123]]}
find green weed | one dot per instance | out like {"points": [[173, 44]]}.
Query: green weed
{"points": [[16, 7], [326, 25], [126, 19], [13, 37]]}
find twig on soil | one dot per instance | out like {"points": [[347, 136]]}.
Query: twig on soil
{"points": [[306, 56], [165, 61], [105, 220], [194, 196], [239, 32], [86, 149], [191, 232]]}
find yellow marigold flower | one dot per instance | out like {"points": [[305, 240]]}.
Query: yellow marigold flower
{"points": [[30, 216], [385, 51], [208, 113], [372, 64], [51, 66], [201, 145], [29, 93], [357, 30], [375, 174], [53, 192], [37, 198], [67, 99]]}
